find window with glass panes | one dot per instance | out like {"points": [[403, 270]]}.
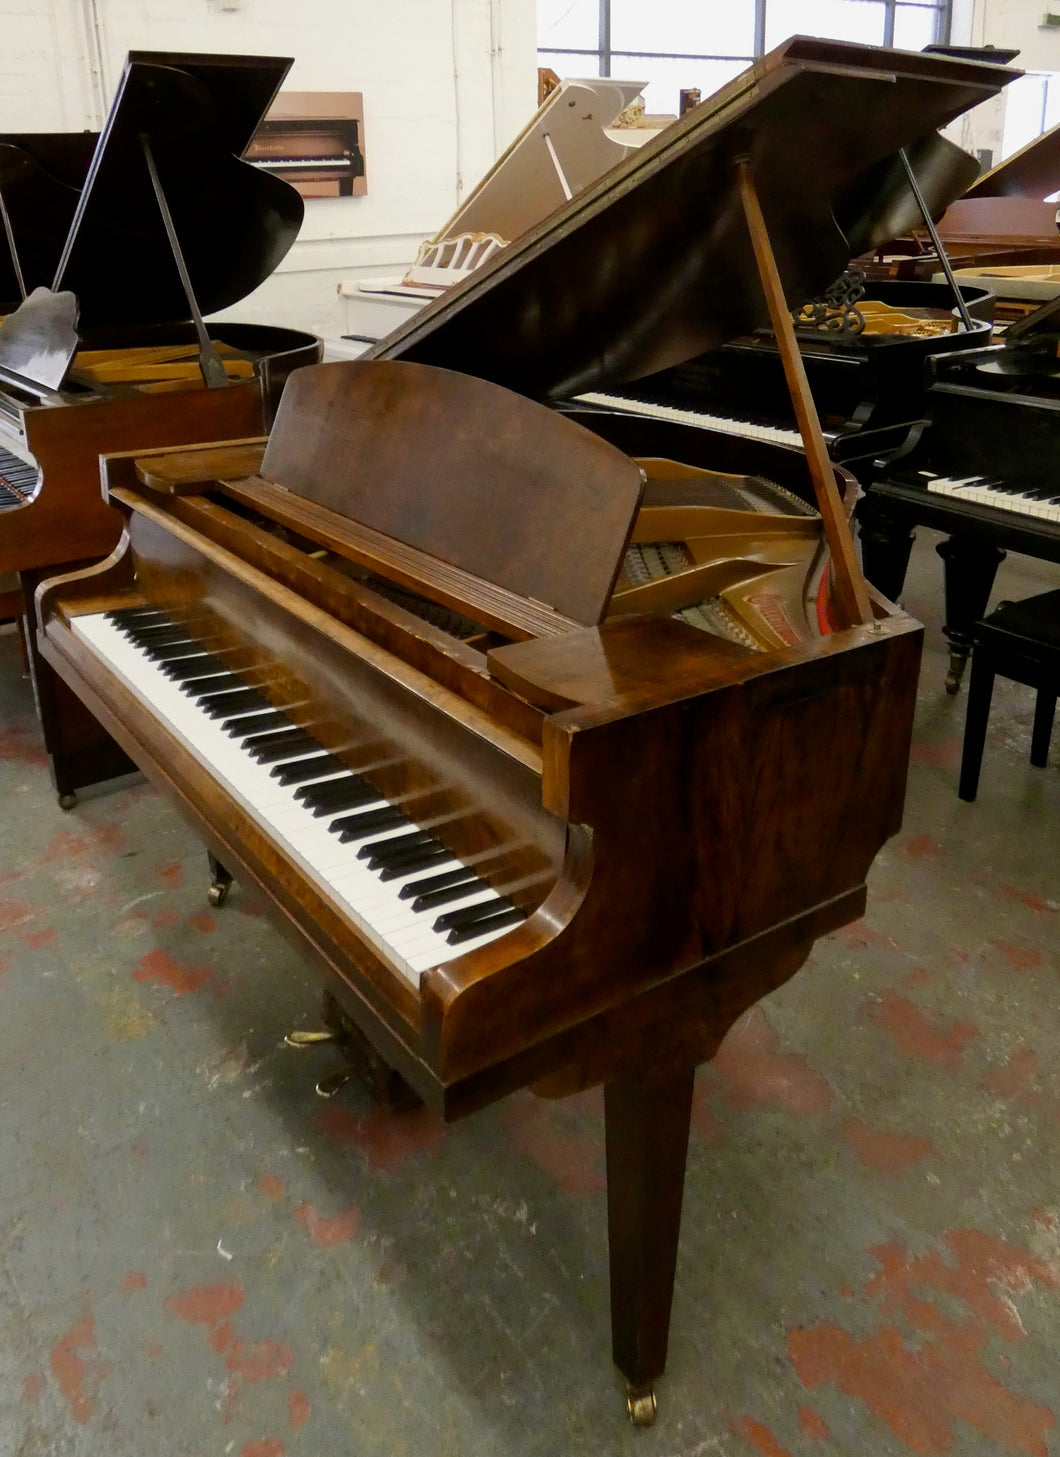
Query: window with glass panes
{"points": [[703, 43]]}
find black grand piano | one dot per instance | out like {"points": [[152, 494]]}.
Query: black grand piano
{"points": [[114, 355], [983, 469]]}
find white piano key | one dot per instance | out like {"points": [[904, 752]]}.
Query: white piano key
{"points": [[749, 429], [404, 937]]}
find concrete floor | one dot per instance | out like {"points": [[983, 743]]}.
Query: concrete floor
{"points": [[198, 1256]]}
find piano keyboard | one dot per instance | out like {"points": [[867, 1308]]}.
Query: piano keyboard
{"points": [[408, 895], [18, 479], [749, 429], [1040, 501]]}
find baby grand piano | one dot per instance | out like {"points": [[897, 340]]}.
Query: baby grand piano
{"points": [[412, 684], [135, 378]]}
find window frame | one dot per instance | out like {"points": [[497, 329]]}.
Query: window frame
{"points": [[605, 54]]}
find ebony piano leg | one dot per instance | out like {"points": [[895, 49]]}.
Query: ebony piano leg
{"points": [[220, 881], [970, 569], [80, 751], [886, 542], [646, 1127]]}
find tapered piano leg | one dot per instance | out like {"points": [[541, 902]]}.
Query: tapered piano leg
{"points": [[886, 543], [647, 1143], [220, 881], [970, 569]]}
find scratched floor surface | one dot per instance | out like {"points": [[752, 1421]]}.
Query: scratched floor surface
{"points": [[197, 1256]]}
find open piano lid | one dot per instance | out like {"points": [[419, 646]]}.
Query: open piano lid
{"points": [[235, 223], [41, 176], [652, 265]]}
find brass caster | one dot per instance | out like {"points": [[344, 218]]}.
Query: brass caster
{"points": [[218, 892], [958, 663], [67, 801], [302, 1040], [641, 1405], [334, 1082]]}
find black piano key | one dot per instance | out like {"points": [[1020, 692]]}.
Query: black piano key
{"points": [[466, 915], [171, 652], [281, 743], [249, 723], [377, 854], [335, 788], [415, 860], [220, 705], [207, 683], [461, 885], [489, 923], [300, 771], [356, 827], [196, 662], [347, 795], [463, 875], [154, 632], [131, 616], [314, 754]]}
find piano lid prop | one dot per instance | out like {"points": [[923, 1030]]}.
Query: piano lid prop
{"points": [[143, 245]]}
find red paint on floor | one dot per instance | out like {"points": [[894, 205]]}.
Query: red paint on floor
{"points": [[385, 1138], [202, 921], [752, 1070], [546, 1132], [859, 937], [813, 1426], [15, 748], [297, 1408], [136, 1280], [1029, 898], [921, 1387], [15, 913], [261, 1361], [1012, 1079], [921, 845], [340, 1229], [271, 1186], [919, 977], [105, 840], [77, 1370], [162, 920], [942, 754], [267, 1447], [760, 1437], [888, 1152], [36, 939], [32, 1387], [705, 1122], [915, 1036], [159, 966], [1019, 958], [207, 1304], [172, 876]]}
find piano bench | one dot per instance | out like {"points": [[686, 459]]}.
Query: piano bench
{"points": [[1021, 641]]}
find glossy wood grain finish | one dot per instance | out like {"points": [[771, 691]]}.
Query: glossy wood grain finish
{"points": [[488, 486]]}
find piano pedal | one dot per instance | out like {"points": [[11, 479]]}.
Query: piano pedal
{"points": [[220, 883], [386, 1085], [641, 1405]]}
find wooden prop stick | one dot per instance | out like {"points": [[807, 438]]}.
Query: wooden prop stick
{"points": [[851, 594]]}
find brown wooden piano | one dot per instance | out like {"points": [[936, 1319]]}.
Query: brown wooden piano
{"points": [[135, 379], [551, 760]]}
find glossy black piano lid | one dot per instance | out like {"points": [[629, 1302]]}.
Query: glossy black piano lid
{"points": [[235, 222], [41, 175], [651, 265]]}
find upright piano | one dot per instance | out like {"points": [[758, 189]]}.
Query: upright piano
{"points": [[982, 470], [135, 379], [551, 760]]}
